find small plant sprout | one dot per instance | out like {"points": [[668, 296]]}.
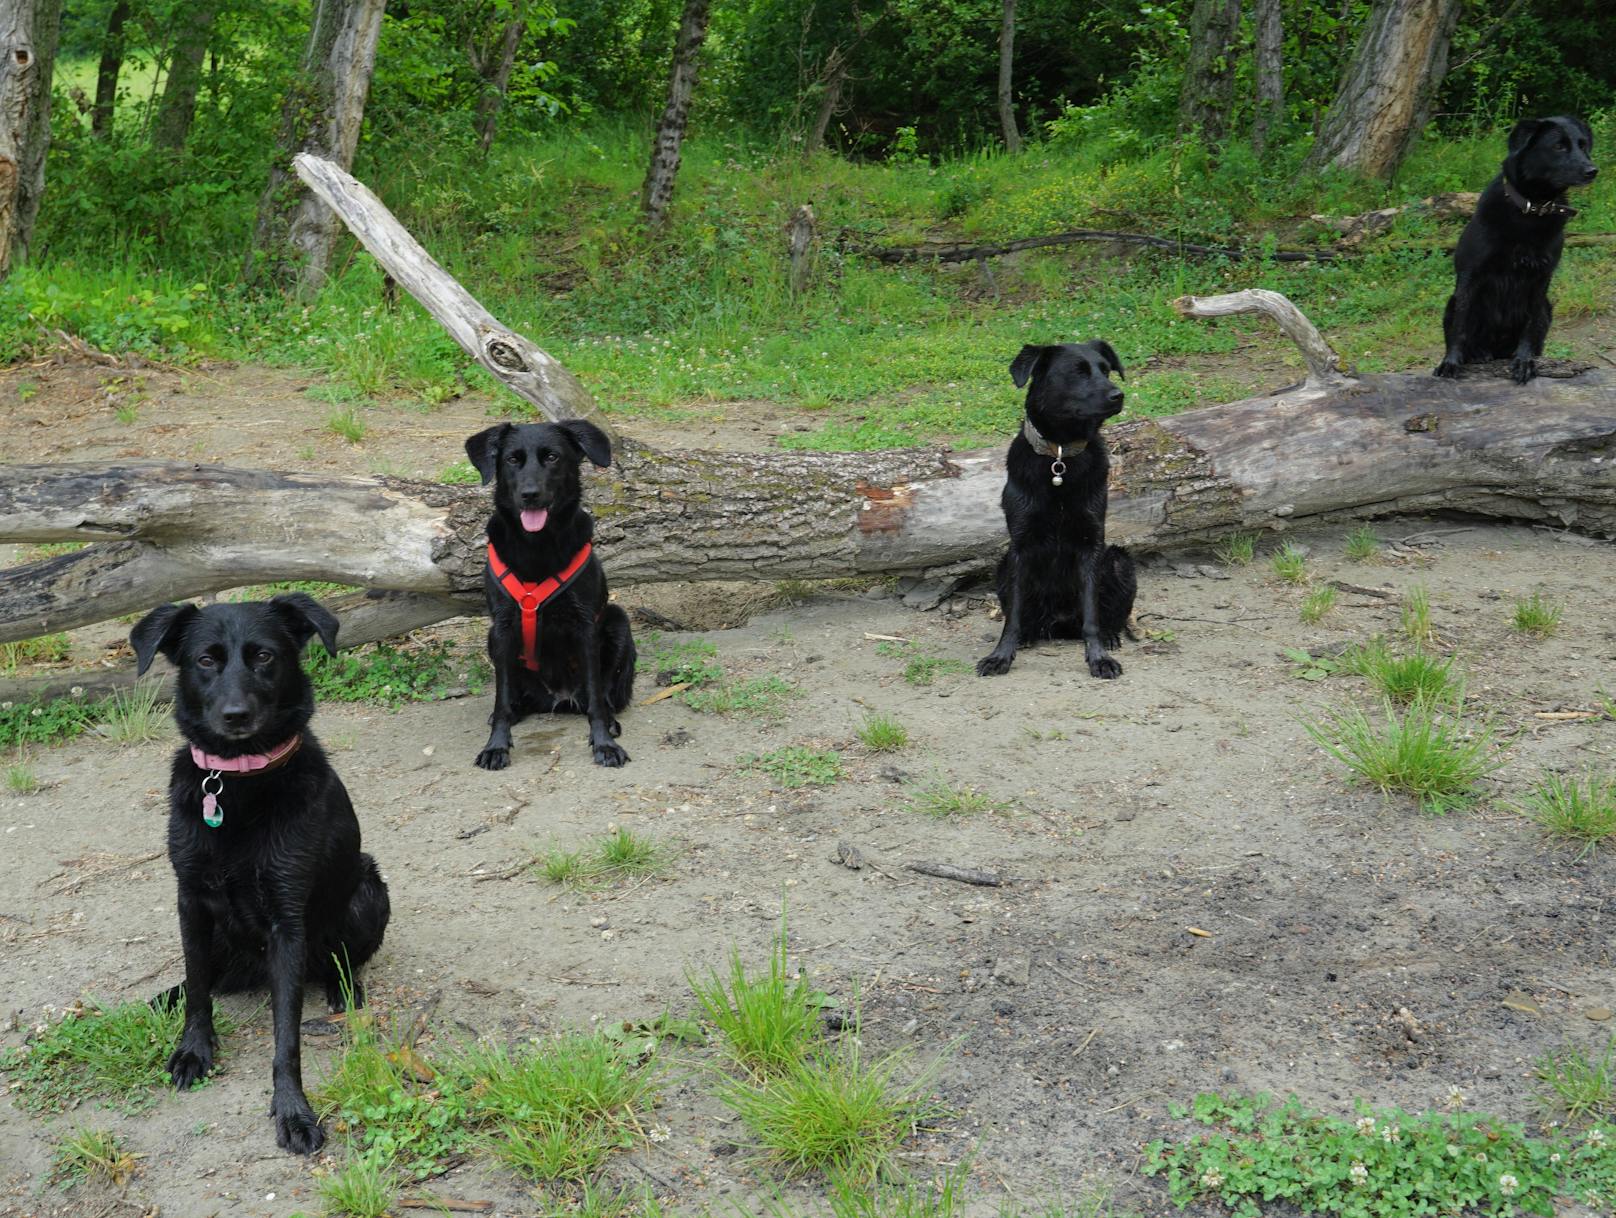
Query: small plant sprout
{"points": [[20, 778], [621, 855], [1537, 616], [1576, 1087], [136, 717], [1289, 564], [1316, 605], [1236, 550], [364, 1187], [1416, 615], [882, 733], [1581, 810], [347, 425], [1362, 544], [94, 1154], [941, 798], [799, 766]]}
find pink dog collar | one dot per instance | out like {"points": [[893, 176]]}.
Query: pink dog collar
{"points": [[217, 767]]}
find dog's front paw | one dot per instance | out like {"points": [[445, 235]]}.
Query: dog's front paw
{"points": [[1447, 369], [1104, 667], [493, 759], [190, 1063], [1522, 370], [610, 755], [297, 1129], [1110, 641], [994, 665]]}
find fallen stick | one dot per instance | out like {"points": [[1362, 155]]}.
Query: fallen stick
{"points": [[964, 875], [444, 1203]]}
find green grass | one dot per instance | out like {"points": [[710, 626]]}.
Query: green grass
{"points": [[1289, 564], [757, 698], [1576, 1088], [1316, 605], [768, 1021], [620, 855], [941, 798], [1424, 750], [136, 716], [347, 425], [360, 1188], [1581, 810], [383, 674], [460, 473], [1416, 615], [43, 649], [88, 1155], [1537, 616], [21, 779], [798, 765], [693, 662], [1417, 676], [1362, 544], [919, 667], [882, 733], [1236, 550], [116, 1055], [1259, 1156], [831, 1111]]}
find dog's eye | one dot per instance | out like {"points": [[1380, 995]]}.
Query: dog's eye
{"points": [[263, 657], [551, 458], [514, 459], [206, 661]]}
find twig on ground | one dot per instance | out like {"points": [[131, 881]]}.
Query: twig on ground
{"points": [[963, 875]]}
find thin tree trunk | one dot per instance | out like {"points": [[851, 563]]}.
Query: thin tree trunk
{"points": [[1386, 94], [497, 81], [190, 47], [1208, 92], [1007, 108], [1270, 64], [658, 191], [106, 76], [28, 31], [296, 232], [830, 101]]}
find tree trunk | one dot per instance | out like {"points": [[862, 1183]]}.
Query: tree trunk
{"points": [[833, 78], [28, 31], [190, 47], [1270, 65], [1007, 108], [658, 190], [496, 74], [297, 233], [106, 76], [1386, 93], [1208, 92]]}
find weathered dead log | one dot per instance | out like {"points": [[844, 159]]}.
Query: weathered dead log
{"points": [[1382, 444], [945, 251]]}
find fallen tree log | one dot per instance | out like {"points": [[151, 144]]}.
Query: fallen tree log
{"points": [[957, 251]]}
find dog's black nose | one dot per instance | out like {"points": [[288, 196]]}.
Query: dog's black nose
{"points": [[530, 496], [1114, 398], [1590, 173], [234, 716]]}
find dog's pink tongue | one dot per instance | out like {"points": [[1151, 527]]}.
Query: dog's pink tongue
{"points": [[533, 518]]}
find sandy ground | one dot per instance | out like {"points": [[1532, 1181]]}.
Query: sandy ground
{"points": [[1065, 1010]]}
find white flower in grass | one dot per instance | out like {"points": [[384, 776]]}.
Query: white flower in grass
{"points": [[1365, 1125], [1454, 1150], [1555, 1157], [1391, 1134], [1211, 1178], [1596, 1136], [1456, 1098], [1359, 1174], [1507, 1184], [660, 1133]]}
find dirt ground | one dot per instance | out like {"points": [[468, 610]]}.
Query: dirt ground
{"points": [[1065, 1010]]}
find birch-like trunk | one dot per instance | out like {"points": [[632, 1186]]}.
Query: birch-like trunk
{"points": [[1007, 108]]}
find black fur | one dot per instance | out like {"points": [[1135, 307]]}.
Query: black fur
{"points": [[1505, 259], [280, 893], [585, 647], [1059, 579]]}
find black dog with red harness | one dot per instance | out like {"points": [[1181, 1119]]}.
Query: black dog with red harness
{"points": [[555, 642]]}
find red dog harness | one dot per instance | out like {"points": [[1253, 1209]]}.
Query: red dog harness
{"points": [[531, 597]]}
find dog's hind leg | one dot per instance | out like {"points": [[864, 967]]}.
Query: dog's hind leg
{"points": [[997, 662], [1118, 587], [364, 923], [617, 660]]}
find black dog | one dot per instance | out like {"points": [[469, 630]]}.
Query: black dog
{"points": [[555, 642], [1508, 251], [264, 841], [1059, 578]]}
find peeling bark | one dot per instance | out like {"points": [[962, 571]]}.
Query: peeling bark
{"points": [[28, 31]]}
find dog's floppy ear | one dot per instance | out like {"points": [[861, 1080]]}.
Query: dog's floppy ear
{"points": [[591, 440], [1105, 349], [1524, 132], [483, 449], [160, 630], [304, 617], [1025, 366]]}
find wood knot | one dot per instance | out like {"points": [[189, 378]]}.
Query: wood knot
{"points": [[505, 355]]}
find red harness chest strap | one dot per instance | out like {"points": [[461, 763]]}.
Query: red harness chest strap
{"points": [[530, 598]]}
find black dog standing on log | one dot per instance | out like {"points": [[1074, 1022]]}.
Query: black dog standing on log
{"points": [[1059, 579], [1510, 248], [273, 888], [555, 642]]}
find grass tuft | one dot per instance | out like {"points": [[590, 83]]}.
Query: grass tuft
{"points": [[1537, 616], [362, 1188], [1289, 564], [93, 1154], [1424, 750], [882, 733], [920, 668], [1582, 810], [758, 698], [1236, 550], [940, 798], [769, 1022], [346, 425], [621, 855], [43, 649], [798, 765], [21, 779], [1317, 604], [693, 662], [1416, 615], [1418, 676], [136, 716], [1362, 544], [1577, 1088]]}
